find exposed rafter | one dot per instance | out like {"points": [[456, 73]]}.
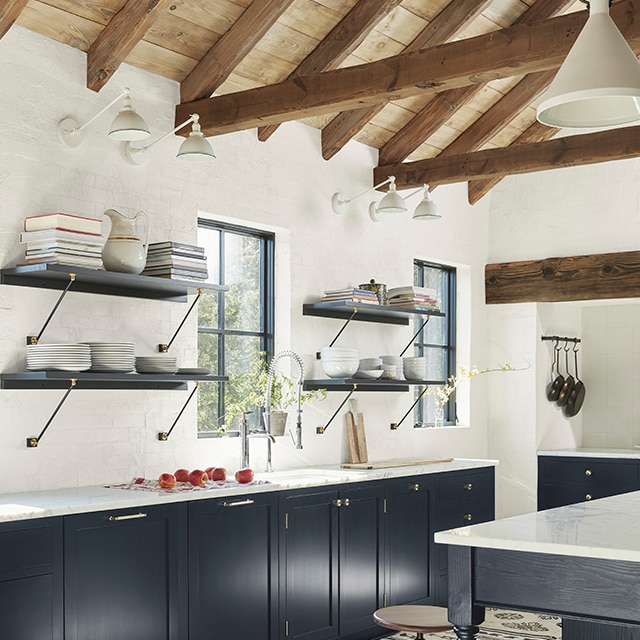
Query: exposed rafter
{"points": [[571, 151], [339, 43], [119, 37], [9, 12], [446, 25], [218, 63]]}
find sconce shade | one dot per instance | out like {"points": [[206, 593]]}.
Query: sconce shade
{"points": [[128, 125], [196, 146], [598, 85], [392, 201], [427, 209]]}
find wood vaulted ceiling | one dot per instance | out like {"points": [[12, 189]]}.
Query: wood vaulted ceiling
{"points": [[445, 89]]}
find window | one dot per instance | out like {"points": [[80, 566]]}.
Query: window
{"points": [[234, 327], [436, 341]]}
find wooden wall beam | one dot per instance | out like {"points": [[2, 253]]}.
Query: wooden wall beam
{"points": [[593, 277]]}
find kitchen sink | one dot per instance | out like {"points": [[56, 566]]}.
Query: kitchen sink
{"points": [[310, 476]]}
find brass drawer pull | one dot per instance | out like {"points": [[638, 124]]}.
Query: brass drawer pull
{"points": [[468, 517], [237, 504], [345, 502], [414, 487], [588, 472], [468, 486], [337, 503], [131, 516], [588, 496]]}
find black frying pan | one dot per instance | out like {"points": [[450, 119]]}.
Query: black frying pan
{"points": [[568, 383], [553, 388], [576, 395]]}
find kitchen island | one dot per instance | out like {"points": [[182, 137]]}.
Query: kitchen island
{"points": [[580, 562]]}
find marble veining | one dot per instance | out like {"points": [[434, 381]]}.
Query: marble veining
{"points": [[41, 504], [606, 528]]}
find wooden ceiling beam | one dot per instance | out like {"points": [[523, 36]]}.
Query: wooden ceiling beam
{"points": [[572, 151], [339, 43], [231, 48], [517, 50], [119, 37], [444, 105], [536, 132], [9, 13], [446, 25]]}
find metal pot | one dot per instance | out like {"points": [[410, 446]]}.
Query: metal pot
{"points": [[576, 395], [568, 383]]}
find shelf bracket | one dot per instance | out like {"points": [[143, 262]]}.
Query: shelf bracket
{"points": [[335, 413], [35, 441], [344, 326], [164, 348], [415, 335], [395, 425], [34, 339], [163, 436]]}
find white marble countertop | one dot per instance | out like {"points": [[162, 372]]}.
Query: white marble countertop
{"points": [[606, 528], [41, 504], [593, 453]]}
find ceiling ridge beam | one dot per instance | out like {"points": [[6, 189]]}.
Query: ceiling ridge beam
{"points": [[339, 43], [425, 123], [119, 37], [9, 12], [570, 151], [446, 25], [231, 48]]}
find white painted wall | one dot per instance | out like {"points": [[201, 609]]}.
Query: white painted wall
{"points": [[284, 185]]}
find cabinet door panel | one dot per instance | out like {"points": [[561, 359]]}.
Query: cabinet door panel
{"points": [[408, 542], [361, 557], [309, 566], [232, 568], [122, 577]]}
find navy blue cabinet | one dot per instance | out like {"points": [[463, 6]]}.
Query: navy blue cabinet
{"points": [[233, 568], [564, 480], [331, 560], [31, 579], [125, 574]]}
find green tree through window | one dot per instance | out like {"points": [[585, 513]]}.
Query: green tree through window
{"points": [[235, 328]]}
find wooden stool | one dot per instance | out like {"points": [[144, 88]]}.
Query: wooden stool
{"points": [[411, 617]]}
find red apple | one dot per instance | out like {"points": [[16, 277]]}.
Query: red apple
{"points": [[219, 474], [182, 475], [198, 478], [167, 481], [244, 476], [209, 471]]}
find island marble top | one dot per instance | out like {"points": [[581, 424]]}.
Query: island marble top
{"points": [[606, 528], [56, 502], [594, 453]]}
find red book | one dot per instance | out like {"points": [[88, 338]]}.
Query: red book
{"points": [[63, 222]]}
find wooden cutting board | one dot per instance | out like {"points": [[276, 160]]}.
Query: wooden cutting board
{"points": [[388, 464], [356, 438]]}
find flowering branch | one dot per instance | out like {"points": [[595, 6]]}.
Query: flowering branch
{"points": [[443, 393]]}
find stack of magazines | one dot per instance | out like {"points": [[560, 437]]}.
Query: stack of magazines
{"points": [[414, 298], [62, 238], [176, 260], [351, 294]]}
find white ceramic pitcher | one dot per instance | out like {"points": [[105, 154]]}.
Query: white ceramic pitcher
{"points": [[125, 250]]}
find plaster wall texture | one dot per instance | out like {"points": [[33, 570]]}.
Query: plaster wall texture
{"points": [[282, 185]]}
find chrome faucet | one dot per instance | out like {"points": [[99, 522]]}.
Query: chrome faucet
{"points": [[267, 402]]}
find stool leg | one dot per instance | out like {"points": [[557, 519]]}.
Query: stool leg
{"points": [[420, 636]]}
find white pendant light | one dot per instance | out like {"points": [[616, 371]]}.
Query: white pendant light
{"points": [[427, 209], [598, 85]]}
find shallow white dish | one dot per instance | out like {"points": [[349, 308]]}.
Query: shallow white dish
{"points": [[372, 374]]}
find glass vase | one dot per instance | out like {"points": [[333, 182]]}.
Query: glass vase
{"points": [[438, 416]]}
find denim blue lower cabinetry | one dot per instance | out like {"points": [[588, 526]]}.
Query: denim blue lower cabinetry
{"points": [[302, 564]]}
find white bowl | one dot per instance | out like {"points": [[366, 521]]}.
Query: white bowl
{"points": [[371, 374], [336, 352], [370, 363], [339, 368]]}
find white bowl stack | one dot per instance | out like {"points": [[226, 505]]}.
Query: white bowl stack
{"points": [[392, 367], [370, 368], [415, 368], [339, 363]]}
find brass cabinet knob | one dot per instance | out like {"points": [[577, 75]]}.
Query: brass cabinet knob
{"points": [[468, 486], [345, 502], [414, 487], [468, 517], [588, 496], [588, 472], [337, 503]]}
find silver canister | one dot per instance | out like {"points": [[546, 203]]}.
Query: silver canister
{"points": [[378, 288]]}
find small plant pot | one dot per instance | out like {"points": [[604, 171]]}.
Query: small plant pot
{"points": [[278, 422]]}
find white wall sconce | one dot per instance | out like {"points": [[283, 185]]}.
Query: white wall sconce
{"points": [[127, 125], [598, 84], [391, 202], [427, 209], [195, 147]]}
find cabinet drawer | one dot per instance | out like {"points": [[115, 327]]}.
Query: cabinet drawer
{"points": [[554, 495], [463, 513], [588, 471], [25, 546], [465, 484]]}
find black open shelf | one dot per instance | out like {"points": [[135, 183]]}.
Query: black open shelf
{"points": [[99, 380], [362, 384], [53, 276], [364, 312]]}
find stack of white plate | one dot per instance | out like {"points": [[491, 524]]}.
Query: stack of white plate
{"points": [[65, 357], [392, 367], [112, 356], [156, 364]]}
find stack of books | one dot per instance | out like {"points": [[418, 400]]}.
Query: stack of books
{"points": [[414, 298], [351, 294], [62, 238], [176, 260]]}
